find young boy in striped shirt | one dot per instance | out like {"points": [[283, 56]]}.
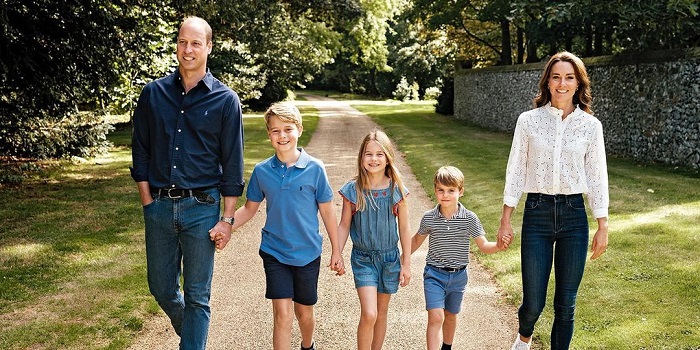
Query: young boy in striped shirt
{"points": [[449, 225]]}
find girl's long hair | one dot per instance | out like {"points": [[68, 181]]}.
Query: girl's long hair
{"points": [[362, 185], [582, 97]]}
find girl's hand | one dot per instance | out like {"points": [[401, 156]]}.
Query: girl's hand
{"points": [[336, 264], [405, 276]]}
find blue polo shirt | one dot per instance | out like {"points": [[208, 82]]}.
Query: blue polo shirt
{"points": [[291, 232]]}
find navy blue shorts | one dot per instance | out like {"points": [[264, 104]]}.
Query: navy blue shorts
{"points": [[300, 283]]}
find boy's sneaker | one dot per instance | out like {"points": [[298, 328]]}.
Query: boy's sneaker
{"points": [[520, 345], [313, 347]]}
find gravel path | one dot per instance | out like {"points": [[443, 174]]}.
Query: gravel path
{"points": [[242, 317]]}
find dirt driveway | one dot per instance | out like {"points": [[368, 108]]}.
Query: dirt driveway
{"points": [[242, 317]]}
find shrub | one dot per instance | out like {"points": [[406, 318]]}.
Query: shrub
{"points": [[432, 93], [403, 90], [80, 134]]}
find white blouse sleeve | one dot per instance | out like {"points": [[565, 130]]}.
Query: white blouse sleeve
{"points": [[597, 173], [516, 171]]}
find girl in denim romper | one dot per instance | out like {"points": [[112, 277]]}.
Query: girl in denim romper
{"points": [[375, 216]]}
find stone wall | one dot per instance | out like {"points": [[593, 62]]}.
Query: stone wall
{"points": [[649, 103]]}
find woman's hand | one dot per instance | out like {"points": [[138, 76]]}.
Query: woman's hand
{"points": [[600, 239]]}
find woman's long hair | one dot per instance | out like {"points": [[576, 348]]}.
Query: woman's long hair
{"points": [[582, 97]]}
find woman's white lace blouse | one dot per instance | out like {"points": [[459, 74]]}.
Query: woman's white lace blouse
{"points": [[554, 156]]}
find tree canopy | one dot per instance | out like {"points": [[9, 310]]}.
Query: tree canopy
{"points": [[66, 63]]}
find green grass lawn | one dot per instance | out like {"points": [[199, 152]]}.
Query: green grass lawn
{"points": [[644, 293], [72, 257]]}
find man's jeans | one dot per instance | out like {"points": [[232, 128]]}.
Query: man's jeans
{"points": [[177, 242], [555, 228]]}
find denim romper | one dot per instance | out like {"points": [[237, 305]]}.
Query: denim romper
{"points": [[375, 256]]}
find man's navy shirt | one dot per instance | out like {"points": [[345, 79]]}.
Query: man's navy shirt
{"points": [[189, 140]]}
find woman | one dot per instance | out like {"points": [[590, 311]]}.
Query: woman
{"points": [[557, 155]]}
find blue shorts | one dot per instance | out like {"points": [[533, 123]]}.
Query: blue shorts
{"points": [[376, 268], [300, 283], [444, 290]]}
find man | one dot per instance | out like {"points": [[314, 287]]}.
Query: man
{"points": [[187, 155]]}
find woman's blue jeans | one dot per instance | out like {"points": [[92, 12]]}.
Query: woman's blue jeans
{"points": [[555, 229], [177, 242]]}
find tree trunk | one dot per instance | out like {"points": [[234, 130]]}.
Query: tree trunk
{"points": [[531, 47], [506, 55], [521, 45], [588, 32], [598, 41]]}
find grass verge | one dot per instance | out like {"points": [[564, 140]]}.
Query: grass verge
{"points": [[72, 257], [644, 293]]}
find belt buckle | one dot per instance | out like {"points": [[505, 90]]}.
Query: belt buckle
{"points": [[174, 197]]}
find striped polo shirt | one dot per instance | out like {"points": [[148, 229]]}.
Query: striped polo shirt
{"points": [[449, 238]]}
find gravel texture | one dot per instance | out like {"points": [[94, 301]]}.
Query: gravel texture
{"points": [[242, 317]]}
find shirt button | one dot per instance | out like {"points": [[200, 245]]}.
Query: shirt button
{"points": [[177, 148], [182, 112], [174, 166], [173, 185], [179, 130]]}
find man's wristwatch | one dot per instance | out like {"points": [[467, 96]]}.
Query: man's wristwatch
{"points": [[228, 220]]}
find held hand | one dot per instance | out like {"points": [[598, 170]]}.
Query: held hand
{"points": [[337, 264], [405, 277], [600, 242], [220, 234], [505, 236]]}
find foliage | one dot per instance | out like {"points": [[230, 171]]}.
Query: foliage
{"points": [[80, 134], [404, 90], [362, 64], [61, 58], [421, 55], [477, 36], [496, 31], [58, 57], [149, 53]]}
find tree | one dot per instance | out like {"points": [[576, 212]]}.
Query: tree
{"points": [[477, 26], [264, 49], [58, 58], [420, 55]]}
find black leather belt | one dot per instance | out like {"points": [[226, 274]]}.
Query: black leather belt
{"points": [[450, 269], [177, 193]]}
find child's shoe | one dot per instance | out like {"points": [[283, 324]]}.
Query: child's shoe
{"points": [[520, 345], [313, 347]]}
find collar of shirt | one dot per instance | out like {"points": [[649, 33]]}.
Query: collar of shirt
{"points": [[208, 79], [460, 213], [302, 162], [554, 111]]}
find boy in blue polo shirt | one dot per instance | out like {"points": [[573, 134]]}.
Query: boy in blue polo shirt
{"points": [[296, 188], [449, 225]]}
